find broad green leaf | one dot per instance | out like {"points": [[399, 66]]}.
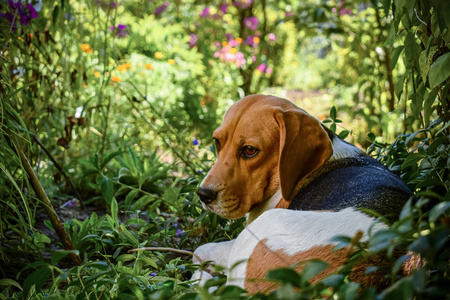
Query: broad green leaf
{"points": [[438, 210], [126, 257], [394, 57], [58, 255], [333, 113], [440, 70], [285, 275], [313, 268], [107, 189], [37, 278]]}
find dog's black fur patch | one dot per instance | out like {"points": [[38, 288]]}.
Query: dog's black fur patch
{"points": [[360, 182]]}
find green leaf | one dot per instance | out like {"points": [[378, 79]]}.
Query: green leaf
{"points": [[438, 210], [427, 105], [10, 282], [115, 211], [285, 275], [440, 70], [412, 160], [148, 261], [126, 257], [37, 278], [395, 54], [313, 268], [130, 197], [56, 11], [386, 6], [107, 189], [333, 113], [58, 255], [109, 158]]}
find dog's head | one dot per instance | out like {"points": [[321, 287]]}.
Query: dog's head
{"points": [[264, 144]]}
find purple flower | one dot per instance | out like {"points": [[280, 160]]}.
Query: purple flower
{"points": [[242, 3], [192, 42], [20, 12], [179, 233], [120, 30], [195, 142], [153, 274], [162, 8], [251, 22], [199, 171], [205, 12], [288, 14], [224, 8], [250, 41], [108, 4]]}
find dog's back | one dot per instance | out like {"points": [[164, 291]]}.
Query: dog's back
{"points": [[359, 181]]}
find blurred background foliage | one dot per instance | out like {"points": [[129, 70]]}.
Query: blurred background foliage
{"points": [[111, 106]]}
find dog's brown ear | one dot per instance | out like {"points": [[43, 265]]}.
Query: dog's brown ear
{"points": [[304, 147]]}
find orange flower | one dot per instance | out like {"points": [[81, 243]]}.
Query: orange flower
{"points": [[20, 38], [171, 62], [158, 55], [86, 47], [256, 40], [116, 79], [97, 74], [224, 44], [148, 66], [31, 35], [84, 85], [238, 40]]}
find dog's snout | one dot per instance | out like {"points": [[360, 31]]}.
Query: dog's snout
{"points": [[206, 195]]}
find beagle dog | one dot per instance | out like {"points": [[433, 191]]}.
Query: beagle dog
{"points": [[272, 154]]}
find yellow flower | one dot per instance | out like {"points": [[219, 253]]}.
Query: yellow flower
{"points": [[97, 74], [256, 40], [233, 50], [148, 66], [239, 40], [171, 62], [116, 79], [158, 55]]}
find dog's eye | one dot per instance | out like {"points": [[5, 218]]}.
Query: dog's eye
{"points": [[249, 151], [216, 145]]}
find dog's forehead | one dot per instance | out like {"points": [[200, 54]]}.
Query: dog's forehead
{"points": [[251, 115]]}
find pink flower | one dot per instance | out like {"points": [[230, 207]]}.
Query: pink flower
{"points": [[288, 14], [193, 40], [272, 37], [268, 70], [251, 22], [261, 68], [253, 58], [205, 12]]}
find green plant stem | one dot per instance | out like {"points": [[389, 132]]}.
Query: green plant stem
{"points": [[48, 207]]}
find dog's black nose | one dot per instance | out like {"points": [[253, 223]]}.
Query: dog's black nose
{"points": [[206, 195]]}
